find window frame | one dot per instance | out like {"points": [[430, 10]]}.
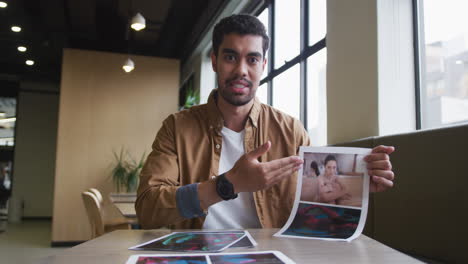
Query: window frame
{"points": [[419, 67], [306, 51], [418, 50]]}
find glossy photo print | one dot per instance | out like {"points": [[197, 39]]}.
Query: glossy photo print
{"points": [[333, 178], [171, 260], [246, 258], [332, 194], [324, 221], [193, 241], [261, 257]]}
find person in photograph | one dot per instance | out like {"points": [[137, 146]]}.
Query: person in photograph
{"points": [[309, 191], [331, 190], [231, 163], [314, 170]]}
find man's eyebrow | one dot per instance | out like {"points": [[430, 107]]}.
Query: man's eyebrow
{"points": [[254, 54], [250, 54], [225, 50]]}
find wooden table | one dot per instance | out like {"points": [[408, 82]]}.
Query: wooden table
{"points": [[113, 248]]}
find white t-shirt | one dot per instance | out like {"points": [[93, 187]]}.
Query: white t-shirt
{"points": [[239, 213]]}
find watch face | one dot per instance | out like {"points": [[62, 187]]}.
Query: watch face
{"points": [[224, 190]]}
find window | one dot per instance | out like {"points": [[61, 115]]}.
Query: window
{"points": [[296, 72], [287, 36], [317, 75], [7, 121], [287, 94], [262, 92], [443, 62], [316, 98]]}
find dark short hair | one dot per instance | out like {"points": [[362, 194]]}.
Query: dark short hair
{"points": [[329, 158], [241, 24]]}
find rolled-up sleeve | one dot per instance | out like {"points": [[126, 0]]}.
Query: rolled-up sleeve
{"points": [[188, 202]]}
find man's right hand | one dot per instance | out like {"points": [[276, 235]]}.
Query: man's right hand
{"points": [[250, 175]]}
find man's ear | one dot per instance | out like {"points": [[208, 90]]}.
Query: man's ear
{"points": [[213, 61], [264, 63]]}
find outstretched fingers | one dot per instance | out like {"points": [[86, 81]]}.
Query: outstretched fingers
{"points": [[279, 169], [278, 164], [258, 152]]}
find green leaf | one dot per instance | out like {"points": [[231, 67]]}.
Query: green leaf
{"points": [[126, 171]]}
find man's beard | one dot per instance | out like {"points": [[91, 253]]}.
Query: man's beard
{"points": [[234, 99]]}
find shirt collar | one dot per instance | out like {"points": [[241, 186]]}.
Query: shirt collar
{"points": [[216, 118]]}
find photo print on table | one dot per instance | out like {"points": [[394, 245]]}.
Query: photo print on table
{"points": [[332, 194], [270, 257], [200, 241], [170, 260]]}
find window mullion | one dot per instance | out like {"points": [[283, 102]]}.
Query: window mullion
{"points": [[303, 65], [418, 48], [271, 65]]}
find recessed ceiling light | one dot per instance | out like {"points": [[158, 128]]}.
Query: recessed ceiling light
{"points": [[22, 48], [459, 62], [15, 29], [3, 4], [30, 62]]}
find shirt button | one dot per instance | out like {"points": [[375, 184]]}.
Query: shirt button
{"points": [[218, 146]]}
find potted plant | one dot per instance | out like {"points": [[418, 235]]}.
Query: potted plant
{"points": [[126, 171], [192, 98], [188, 96]]}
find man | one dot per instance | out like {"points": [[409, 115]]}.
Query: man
{"points": [[233, 159]]}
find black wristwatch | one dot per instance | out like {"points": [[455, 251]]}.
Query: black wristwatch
{"points": [[224, 188]]}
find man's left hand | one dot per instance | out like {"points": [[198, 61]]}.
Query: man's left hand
{"points": [[379, 168]]}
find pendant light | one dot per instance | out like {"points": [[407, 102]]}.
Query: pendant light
{"points": [[138, 22], [128, 66]]}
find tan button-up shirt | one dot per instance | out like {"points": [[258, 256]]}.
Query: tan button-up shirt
{"points": [[187, 150]]}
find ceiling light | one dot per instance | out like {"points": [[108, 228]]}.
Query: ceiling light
{"points": [[30, 62], [15, 29], [2, 114], [22, 48], [128, 66], [138, 22], [459, 62], [3, 4]]}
